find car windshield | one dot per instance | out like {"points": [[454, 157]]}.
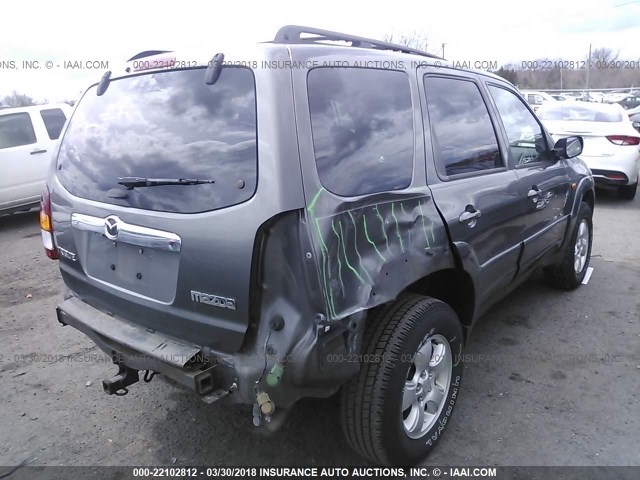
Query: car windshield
{"points": [[580, 113]]}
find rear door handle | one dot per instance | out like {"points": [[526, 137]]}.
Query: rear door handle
{"points": [[35, 152], [468, 216], [534, 192]]}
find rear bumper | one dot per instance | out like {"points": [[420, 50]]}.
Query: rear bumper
{"points": [[138, 348], [610, 177], [616, 170]]}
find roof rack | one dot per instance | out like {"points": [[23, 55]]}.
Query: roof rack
{"points": [[293, 34]]}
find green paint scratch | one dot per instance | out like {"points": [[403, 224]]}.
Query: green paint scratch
{"points": [[327, 290], [339, 262], [328, 294], [344, 250], [314, 200], [393, 214], [355, 243], [410, 228], [424, 227], [384, 232], [366, 233]]}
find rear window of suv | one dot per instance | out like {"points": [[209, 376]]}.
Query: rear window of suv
{"points": [[165, 125]]}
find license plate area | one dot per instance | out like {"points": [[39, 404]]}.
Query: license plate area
{"points": [[139, 270]]}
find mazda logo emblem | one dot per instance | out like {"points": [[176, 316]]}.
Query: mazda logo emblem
{"points": [[111, 227]]}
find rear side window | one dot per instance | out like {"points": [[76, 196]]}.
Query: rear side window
{"points": [[53, 119], [362, 123], [165, 125], [16, 130], [463, 137]]}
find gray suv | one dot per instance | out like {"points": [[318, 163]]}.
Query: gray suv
{"points": [[304, 218]]}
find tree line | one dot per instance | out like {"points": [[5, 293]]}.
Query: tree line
{"points": [[605, 70]]}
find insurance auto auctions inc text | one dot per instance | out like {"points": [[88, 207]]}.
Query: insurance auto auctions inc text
{"points": [[375, 472]]}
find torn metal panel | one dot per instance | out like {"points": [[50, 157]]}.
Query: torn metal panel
{"points": [[368, 251]]}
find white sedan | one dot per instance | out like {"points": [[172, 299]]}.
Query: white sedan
{"points": [[611, 144]]}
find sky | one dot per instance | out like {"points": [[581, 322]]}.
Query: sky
{"points": [[114, 30]]}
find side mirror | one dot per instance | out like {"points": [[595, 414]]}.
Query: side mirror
{"points": [[636, 125], [568, 147]]}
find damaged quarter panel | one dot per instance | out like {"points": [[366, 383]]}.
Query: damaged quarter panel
{"points": [[371, 249], [373, 221]]}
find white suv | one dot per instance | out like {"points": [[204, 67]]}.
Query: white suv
{"points": [[28, 138]]}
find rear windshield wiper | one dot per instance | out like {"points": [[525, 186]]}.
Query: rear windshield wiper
{"points": [[132, 182]]}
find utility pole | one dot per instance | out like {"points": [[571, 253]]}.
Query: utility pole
{"points": [[588, 68], [443, 49]]}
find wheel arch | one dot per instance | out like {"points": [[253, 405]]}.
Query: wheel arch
{"points": [[585, 191], [589, 196], [453, 286]]}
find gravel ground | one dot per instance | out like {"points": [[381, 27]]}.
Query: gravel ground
{"points": [[552, 378]]}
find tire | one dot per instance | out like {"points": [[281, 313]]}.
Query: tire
{"points": [[628, 192], [569, 273], [372, 402]]}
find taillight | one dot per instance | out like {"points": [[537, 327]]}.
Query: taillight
{"points": [[623, 140], [46, 225], [616, 176]]}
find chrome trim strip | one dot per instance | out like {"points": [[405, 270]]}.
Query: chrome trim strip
{"points": [[129, 233], [87, 223]]}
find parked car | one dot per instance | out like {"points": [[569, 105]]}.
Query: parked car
{"points": [[596, 97], [352, 248], [633, 111], [28, 139], [631, 101], [562, 98], [617, 97], [610, 142], [535, 98], [634, 116]]}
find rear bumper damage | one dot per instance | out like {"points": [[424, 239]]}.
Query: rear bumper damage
{"points": [[274, 369], [133, 348]]}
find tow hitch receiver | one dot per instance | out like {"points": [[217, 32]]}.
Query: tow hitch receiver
{"points": [[118, 385]]}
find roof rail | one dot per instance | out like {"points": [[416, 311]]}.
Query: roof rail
{"points": [[147, 53], [293, 34]]}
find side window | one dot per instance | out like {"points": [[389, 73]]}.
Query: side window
{"points": [[463, 137], [362, 125], [53, 119], [16, 130], [527, 141]]}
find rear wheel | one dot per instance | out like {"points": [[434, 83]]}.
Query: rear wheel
{"points": [[628, 192], [570, 272], [394, 411]]}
